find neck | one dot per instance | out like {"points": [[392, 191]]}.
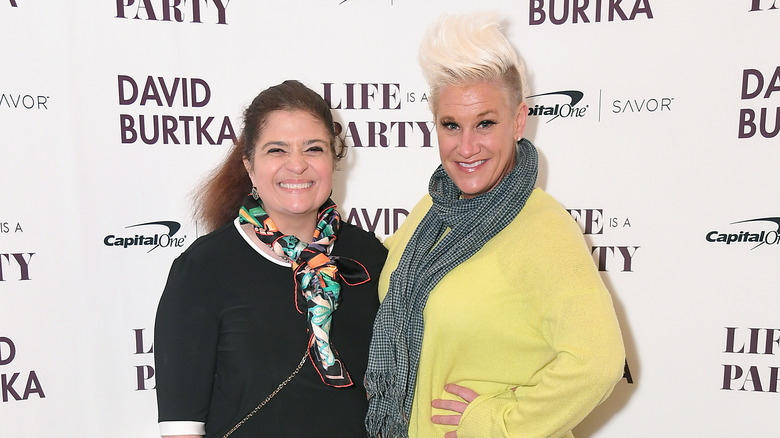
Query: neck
{"points": [[302, 228]]}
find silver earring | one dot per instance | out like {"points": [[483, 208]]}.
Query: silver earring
{"points": [[255, 195]]}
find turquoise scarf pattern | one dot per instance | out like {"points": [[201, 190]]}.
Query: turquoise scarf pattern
{"points": [[318, 277]]}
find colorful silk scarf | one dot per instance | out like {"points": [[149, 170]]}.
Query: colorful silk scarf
{"points": [[429, 255], [316, 275]]}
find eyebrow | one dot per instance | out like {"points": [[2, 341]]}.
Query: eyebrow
{"points": [[487, 112], [284, 143], [275, 143]]}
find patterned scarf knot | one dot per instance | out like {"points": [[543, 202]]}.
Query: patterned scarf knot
{"points": [[318, 277]]}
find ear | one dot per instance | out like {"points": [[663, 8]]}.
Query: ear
{"points": [[248, 166], [520, 119]]}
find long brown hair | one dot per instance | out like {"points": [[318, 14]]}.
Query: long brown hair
{"points": [[224, 190]]}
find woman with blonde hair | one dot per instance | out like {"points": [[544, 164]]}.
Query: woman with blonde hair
{"points": [[494, 321]]}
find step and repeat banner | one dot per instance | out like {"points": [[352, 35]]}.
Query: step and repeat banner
{"points": [[657, 124]]}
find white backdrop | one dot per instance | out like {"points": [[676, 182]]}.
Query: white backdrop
{"points": [[656, 120]]}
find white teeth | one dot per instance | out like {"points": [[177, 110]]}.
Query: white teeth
{"points": [[470, 165], [296, 186]]}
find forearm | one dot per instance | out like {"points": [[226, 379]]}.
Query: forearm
{"points": [[588, 363]]}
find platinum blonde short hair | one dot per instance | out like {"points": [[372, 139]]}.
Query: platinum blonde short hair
{"points": [[459, 49]]}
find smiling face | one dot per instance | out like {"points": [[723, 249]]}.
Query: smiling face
{"points": [[292, 168], [478, 128]]}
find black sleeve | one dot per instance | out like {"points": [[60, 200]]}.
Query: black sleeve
{"points": [[185, 343]]}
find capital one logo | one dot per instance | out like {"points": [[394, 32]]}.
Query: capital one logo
{"points": [[754, 237], [157, 240], [565, 108]]}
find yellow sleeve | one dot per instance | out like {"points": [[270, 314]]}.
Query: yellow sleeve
{"points": [[590, 360], [580, 326]]}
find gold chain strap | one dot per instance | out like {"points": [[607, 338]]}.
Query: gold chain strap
{"points": [[270, 396]]}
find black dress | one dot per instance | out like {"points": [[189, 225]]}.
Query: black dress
{"points": [[228, 333]]}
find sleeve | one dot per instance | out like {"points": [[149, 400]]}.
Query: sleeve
{"points": [[391, 242], [185, 346], [578, 322], [175, 428], [409, 225], [588, 364]]}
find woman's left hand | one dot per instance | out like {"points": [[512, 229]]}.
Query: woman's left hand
{"points": [[453, 405]]}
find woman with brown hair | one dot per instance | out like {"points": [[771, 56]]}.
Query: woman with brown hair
{"points": [[264, 324]]}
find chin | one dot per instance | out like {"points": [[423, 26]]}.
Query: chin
{"points": [[471, 189]]}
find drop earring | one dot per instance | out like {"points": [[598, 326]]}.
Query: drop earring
{"points": [[254, 193]]}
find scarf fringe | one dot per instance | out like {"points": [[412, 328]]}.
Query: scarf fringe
{"points": [[385, 423], [378, 383], [385, 429]]}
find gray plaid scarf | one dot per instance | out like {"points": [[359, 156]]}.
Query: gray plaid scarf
{"points": [[398, 330]]}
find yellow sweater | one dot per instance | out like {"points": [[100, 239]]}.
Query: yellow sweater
{"points": [[526, 323]]}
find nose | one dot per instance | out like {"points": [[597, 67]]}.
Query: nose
{"points": [[297, 162], [468, 146]]}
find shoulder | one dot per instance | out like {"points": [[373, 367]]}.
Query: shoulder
{"points": [[541, 202], [544, 231], [363, 247], [217, 245], [357, 243], [421, 208], [349, 231], [545, 213], [195, 273], [407, 228]]}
